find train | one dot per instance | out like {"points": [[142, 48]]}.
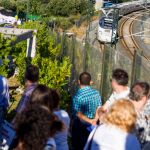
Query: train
{"points": [[106, 32]]}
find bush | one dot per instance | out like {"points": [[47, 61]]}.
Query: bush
{"points": [[60, 22], [5, 51], [53, 72], [63, 23], [67, 7]]}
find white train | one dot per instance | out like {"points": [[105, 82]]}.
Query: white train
{"points": [[106, 33]]}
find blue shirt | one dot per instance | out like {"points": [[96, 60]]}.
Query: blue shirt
{"points": [[86, 101], [26, 95], [4, 92]]}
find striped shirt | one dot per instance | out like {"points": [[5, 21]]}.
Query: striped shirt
{"points": [[86, 101], [25, 98], [4, 92]]}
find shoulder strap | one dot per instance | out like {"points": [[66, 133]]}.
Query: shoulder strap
{"points": [[90, 143]]}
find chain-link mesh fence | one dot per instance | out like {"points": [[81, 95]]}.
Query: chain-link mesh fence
{"points": [[85, 57]]}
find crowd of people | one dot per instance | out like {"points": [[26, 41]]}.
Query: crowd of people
{"points": [[121, 123]]}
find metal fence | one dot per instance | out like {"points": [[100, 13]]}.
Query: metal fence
{"points": [[85, 57]]}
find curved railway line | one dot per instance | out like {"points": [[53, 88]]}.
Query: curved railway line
{"points": [[126, 34]]}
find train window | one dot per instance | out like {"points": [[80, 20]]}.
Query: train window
{"points": [[106, 23]]}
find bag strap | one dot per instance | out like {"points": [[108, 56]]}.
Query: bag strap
{"points": [[90, 143]]}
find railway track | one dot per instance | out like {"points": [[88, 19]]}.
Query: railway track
{"points": [[126, 34]]}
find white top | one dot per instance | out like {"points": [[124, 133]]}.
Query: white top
{"points": [[61, 137], [108, 137], [115, 96]]}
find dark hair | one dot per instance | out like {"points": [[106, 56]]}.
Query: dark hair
{"points": [[85, 78], [32, 73], [138, 90], [56, 98], [121, 76], [42, 95], [33, 127]]}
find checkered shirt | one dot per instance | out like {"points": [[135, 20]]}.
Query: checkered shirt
{"points": [[86, 101]]}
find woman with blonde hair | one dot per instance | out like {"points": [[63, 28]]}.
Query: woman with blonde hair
{"points": [[115, 132]]}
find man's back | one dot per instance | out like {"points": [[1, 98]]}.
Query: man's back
{"points": [[31, 81], [25, 97], [86, 100], [84, 105]]}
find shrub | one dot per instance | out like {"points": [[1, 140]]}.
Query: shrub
{"points": [[5, 51], [53, 72]]}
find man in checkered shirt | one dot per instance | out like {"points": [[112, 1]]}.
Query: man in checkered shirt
{"points": [[84, 105]]}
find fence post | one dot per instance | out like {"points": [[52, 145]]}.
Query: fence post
{"points": [[87, 55], [63, 45], [105, 86], [136, 66], [73, 68], [58, 38]]}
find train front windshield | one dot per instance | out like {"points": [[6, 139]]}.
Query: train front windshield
{"points": [[106, 23]]}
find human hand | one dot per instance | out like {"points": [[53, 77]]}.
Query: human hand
{"points": [[94, 122]]}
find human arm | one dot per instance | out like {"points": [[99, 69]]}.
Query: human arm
{"points": [[96, 104], [99, 113], [81, 116]]}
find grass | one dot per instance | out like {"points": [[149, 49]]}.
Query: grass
{"points": [[81, 31]]}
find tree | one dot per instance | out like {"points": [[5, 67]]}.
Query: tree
{"points": [[46, 7], [8, 4], [66, 7]]}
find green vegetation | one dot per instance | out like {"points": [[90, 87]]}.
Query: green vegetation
{"points": [[54, 71], [50, 7], [64, 12], [47, 7], [54, 68], [5, 50]]}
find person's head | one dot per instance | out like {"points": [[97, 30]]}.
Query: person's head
{"points": [[119, 78], [42, 95], [56, 98], [85, 79], [32, 73], [139, 91], [33, 127], [122, 115]]}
